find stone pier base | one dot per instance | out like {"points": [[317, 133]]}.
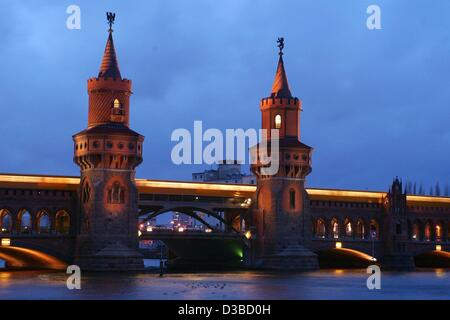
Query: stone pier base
{"points": [[400, 262], [293, 258], [114, 257]]}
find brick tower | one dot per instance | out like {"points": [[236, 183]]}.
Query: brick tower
{"points": [[108, 152], [395, 225], [280, 215]]}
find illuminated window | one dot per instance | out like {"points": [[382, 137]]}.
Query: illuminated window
{"points": [[116, 194], [117, 107], [277, 121], [348, 229], [438, 231], [415, 232], [360, 231], [335, 228], [427, 233]]}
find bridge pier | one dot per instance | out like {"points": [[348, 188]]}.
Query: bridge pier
{"points": [[113, 257], [398, 262], [293, 258]]}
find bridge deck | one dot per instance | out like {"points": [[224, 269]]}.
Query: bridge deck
{"points": [[146, 186]]}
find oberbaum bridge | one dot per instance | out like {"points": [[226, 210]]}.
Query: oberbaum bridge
{"points": [[93, 220]]}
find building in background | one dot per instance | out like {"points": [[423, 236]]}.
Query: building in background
{"points": [[185, 222], [227, 172]]}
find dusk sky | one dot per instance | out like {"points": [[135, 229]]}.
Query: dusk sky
{"points": [[376, 102]]}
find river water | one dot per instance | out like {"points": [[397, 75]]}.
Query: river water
{"points": [[324, 284]]}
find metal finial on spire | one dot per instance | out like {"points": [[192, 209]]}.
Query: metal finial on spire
{"points": [[110, 16], [280, 42]]}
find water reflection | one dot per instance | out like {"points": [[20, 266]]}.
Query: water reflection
{"points": [[324, 284], [441, 273]]}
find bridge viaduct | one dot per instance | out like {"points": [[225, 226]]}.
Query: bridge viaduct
{"points": [[352, 220], [92, 220]]}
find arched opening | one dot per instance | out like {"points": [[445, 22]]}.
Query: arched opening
{"points": [[335, 228], [116, 103], [116, 195], [360, 229], [209, 219], [175, 227], [25, 222], [277, 121], [433, 259], [15, 257], [292, 199], [344, 258], [62, 222], [427, 232], [374, 229], [448, 231], [86, 193], [43, 222], [348, 228], [438, 232], [117, 107], [320, 228], [5, 221], [415, 231]]}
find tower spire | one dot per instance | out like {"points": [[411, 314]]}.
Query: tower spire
{"points": [[280, 87], [110, 67]]}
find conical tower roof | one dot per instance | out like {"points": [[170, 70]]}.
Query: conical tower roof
{"points": [[109, 67], [280, 87]]}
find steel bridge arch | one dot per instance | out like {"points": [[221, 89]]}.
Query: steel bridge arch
{"points": [[189, 211]]}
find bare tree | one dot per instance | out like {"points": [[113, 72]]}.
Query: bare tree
{"points": [[437, 189]]}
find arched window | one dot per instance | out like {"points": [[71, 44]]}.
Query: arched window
{"points": [[335, 228], [427, 232], [415, 235], [438, 232], [5, 221], [117, 107], [116, 194], [86, 193], [374, 229], [292, 199], [62, 222], [277, 121], [43, 221], [348, 228], [320, 228], [360, 229], [25, 222]]}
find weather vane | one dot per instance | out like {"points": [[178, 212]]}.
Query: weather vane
{"points": [[110, 17], [280, 42]]}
